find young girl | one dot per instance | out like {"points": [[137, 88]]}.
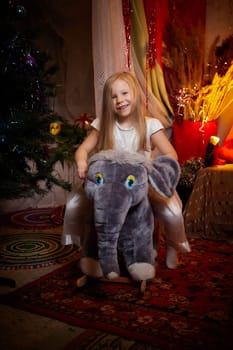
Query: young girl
{"points": [[123, 126]]}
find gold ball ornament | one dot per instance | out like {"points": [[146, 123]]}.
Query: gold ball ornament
{"points": [[55, 128]]}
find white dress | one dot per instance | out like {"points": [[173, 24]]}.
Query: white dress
{"points": [[126, 139]]}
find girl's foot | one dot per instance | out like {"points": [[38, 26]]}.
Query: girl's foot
{"points": [[184, 247], [171, 257]]}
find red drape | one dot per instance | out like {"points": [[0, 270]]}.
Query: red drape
{"points": [[190, 139], [159, 13], [189, 13]]}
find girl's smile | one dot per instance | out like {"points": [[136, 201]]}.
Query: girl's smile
{"points": [[121, 99]]}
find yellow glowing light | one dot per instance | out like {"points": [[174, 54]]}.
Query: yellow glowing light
{"points": [[214, 140], [209, 102]]}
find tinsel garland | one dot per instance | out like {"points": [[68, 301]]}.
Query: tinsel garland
{"points": [[126, 8], [151, 28]]}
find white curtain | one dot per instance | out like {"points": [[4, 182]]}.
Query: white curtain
{"points": [[108, 44], [110, 54]]}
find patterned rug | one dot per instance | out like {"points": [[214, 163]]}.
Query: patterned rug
{"points": [[184, 309], [39, 218], [33, 250]]}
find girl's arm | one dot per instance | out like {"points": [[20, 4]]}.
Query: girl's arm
{"points": [[160, 141], [83, 151]]}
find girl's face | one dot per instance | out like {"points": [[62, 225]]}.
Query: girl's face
{"points": [[122, 99]]}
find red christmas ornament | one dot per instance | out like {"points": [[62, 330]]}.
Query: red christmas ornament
{"points": [[84, 120]]}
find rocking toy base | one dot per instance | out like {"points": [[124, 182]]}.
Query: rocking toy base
{"points": [[83, 280]]}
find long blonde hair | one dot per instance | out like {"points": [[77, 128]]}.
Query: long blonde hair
{"points": [[107, 119]]}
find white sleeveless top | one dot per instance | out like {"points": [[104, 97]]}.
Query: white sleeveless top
{"points": [[126, 139]]}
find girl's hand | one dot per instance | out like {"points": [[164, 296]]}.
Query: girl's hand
{"points": [[82, 153], [82, 169]]}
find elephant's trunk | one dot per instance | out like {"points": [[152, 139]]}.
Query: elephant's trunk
{"points": [[110, 213]]}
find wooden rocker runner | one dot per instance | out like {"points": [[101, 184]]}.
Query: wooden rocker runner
{"points": [[83, 280]]}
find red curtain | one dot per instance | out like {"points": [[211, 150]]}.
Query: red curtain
{"points": [[189, 13], [159, 13]]}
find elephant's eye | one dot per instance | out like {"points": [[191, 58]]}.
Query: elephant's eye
{"points": [[130, 181], [99, 179]]}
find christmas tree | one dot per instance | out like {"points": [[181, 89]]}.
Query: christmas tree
{"points": [[28, 128]]}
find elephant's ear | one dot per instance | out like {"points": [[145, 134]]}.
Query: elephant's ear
{"points": [[164, 175]]}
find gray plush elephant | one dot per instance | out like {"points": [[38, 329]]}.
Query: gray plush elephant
{"points": [[123, 222]]}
